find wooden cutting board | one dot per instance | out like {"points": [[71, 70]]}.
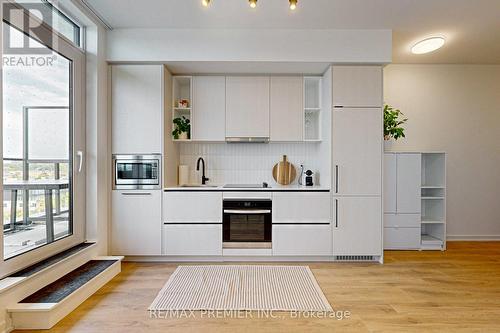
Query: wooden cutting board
{"points": [[284, 172]]}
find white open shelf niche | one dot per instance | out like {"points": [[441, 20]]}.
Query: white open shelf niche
{"points": [[312, 108], [182, 90], [433, 196]]}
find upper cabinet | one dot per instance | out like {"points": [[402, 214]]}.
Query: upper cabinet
{"points": [[137, 109], [357, 86], [287, 104], [247, 106], [276, 108], [209, 108]]}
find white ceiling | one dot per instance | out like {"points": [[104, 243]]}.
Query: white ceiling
{"points": [[471, 27]]}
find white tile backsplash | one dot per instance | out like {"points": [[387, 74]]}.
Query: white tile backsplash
{"points": [[246, 163]]}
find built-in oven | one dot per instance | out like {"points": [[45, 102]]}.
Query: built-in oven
{"points": [[137, 172], [247, 223]]}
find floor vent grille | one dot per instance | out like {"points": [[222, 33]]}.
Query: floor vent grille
{"points": [[354, 258]]}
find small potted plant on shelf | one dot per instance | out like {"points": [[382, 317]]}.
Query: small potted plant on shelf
{"points": [[182, 128], [392, 125]]}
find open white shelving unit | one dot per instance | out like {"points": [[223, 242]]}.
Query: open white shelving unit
{"points": [[414, 201], [182, 90], [433, 196], [312, 108]]}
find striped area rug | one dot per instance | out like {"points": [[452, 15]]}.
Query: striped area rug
{"points": [[241, 287]]}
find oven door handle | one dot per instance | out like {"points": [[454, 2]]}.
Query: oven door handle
{"points": [[247, 211]]}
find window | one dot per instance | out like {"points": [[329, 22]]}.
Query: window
{"points": [[59, 21], [43, 128]]}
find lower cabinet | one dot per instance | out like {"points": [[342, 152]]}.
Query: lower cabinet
{"points": [[302, 240], [396, 238], [357, 226], [192, 239], [192, 207], [136, 223], [302, 207], [402, 220], [402, 231]]}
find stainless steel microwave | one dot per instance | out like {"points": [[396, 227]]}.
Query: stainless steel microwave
{"points": [[137, 172]]}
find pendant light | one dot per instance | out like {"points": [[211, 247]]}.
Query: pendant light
{"points": [[293, 4], [253, 3]]}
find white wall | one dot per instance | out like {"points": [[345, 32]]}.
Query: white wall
{"points": [[246, 45], [456, 109], [249, 163]]}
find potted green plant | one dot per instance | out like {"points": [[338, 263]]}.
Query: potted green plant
{"points": [[182, 128], [393, 121]]}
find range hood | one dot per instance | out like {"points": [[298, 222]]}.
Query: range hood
{"points": [[247, 139]]}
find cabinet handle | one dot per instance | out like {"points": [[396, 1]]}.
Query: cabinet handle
{"points": [[247, 211], [336, 213], [336, 179], [136, 194]]}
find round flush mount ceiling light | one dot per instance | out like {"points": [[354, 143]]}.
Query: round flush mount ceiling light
{"points": [[428, 45], [253, 3], [293, 4], [205, 3]]}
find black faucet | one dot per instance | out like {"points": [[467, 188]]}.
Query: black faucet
{"points": [[203, 178]]}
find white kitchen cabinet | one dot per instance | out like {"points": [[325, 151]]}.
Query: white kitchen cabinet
{"points": [[302, 240], [301, 207], [401, 220], [357, 226], [192, 239], [209, 108], [357, 151], [247, 106], [287, 108], [408, 183], [137, 109], [192, 207], [402, 204], [401, 238], [136, 223], [357, 86], [418, 198], [390, 169]]}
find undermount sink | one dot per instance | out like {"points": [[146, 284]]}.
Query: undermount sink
{"points": [[198, 185]]}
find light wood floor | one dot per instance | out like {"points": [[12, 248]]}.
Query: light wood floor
{"points": [[453, 291]]}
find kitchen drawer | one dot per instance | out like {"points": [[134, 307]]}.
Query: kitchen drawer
{"points": [[401, 238], [192, 207], [302, 240], [297, 207], [192, 239], [402, 220]]}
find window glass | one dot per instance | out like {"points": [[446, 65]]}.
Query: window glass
{"points": [[56, 18], [37, 127]]}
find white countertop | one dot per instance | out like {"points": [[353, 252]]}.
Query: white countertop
{"points": [[273, 188]]}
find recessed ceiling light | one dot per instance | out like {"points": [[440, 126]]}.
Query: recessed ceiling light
{"points": [[428, 45], [293, 4], [253, 3], [205, 3]]}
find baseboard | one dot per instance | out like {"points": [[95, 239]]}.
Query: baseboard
{"points": [[474, 238], [236, 258], [4, 328]]}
